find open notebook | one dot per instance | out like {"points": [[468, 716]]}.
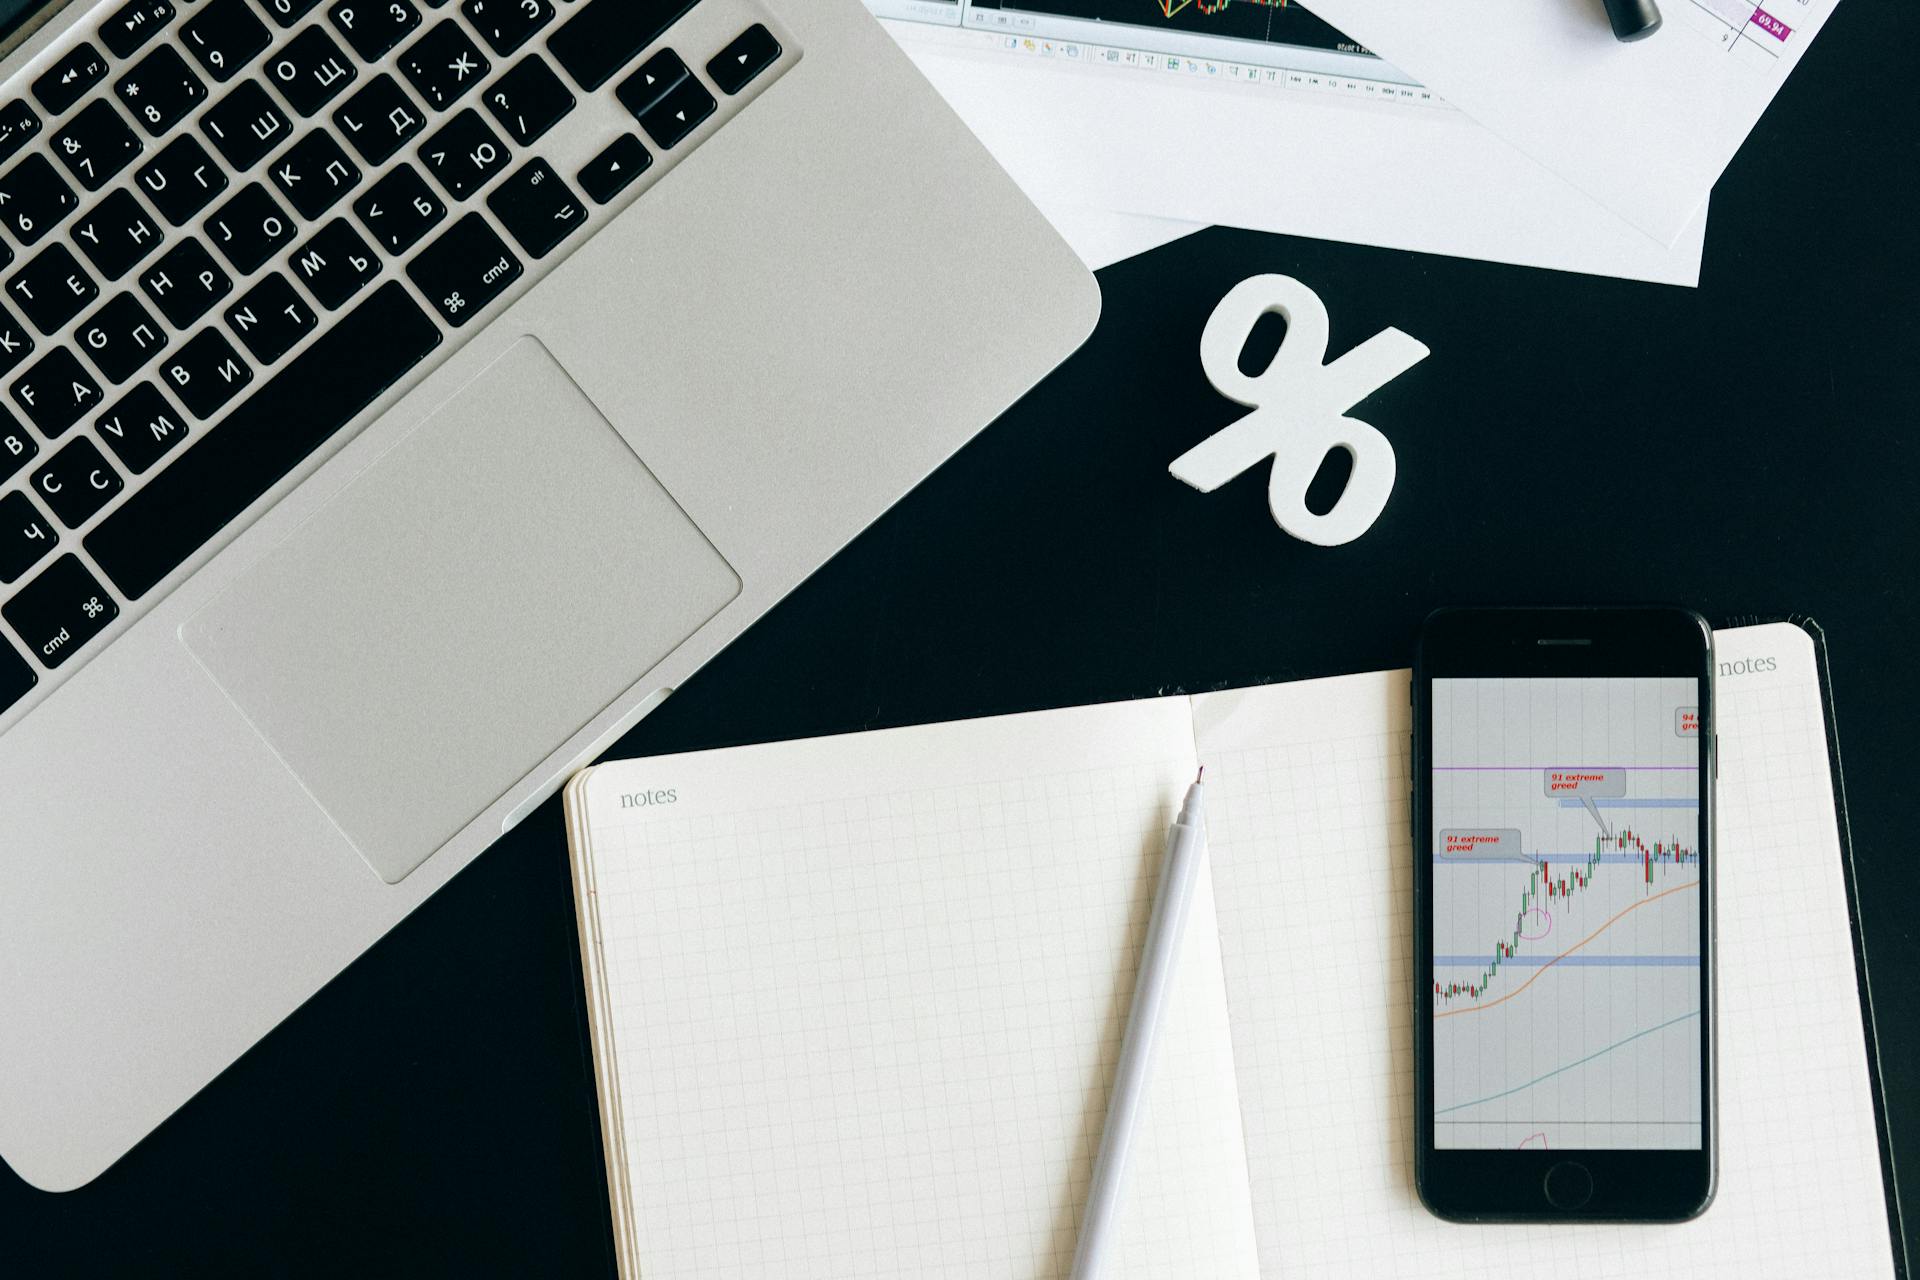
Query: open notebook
{"points": [[855, 1001]]}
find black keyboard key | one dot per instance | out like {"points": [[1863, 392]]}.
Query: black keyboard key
{"points": [[59, 611], [443, 64], [115, 234], [287, 12], [185, 283], [678, 113], [271, 319], [142, 428], [25, 537], [33, 199], [335, 264], [53, 288], [607, 174], [464, 154], [206, 373], [17, 448], [120, 337], [314, 173], [310, 71], [16, 344], [746, 56], [651, 81], [224, 36], [380, 119], [246, 124], [181, 180], [67, 80], [373, 26], [603, 36], [95, 144], [465, 269], [133, 24], [507, 24], [528, 100], [360, 356], [249, 228], [160, 91], [536, 208], [77, 481], [399, 209], [56, 392], [18, 126], [16, 677]]}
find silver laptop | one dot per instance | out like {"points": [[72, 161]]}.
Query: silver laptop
{"points": [[400, 398]]}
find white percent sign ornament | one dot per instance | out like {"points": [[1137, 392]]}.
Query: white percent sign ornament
{"points": [[1299, 409]]}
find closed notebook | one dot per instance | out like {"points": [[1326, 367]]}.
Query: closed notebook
{"points": [[855, 1001]]}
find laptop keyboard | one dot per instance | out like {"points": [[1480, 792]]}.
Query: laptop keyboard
{"points": [[231, 226]]}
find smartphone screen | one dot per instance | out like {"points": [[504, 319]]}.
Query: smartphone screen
{"points": [[1565, 911], [1563, 796]]}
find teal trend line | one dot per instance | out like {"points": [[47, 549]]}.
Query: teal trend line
{"points": [[1462, 1106]]}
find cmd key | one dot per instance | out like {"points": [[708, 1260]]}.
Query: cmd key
{"points": [[465, 269], [60, 611]]}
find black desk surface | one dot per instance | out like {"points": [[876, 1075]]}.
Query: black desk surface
{"points": [[1747, 448]]}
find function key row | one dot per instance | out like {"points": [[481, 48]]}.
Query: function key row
{"points": [[133, 24]]}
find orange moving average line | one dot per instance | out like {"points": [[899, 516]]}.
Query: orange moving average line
{"points": [[1477, 1008]]}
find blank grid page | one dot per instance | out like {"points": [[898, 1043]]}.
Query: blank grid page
{"points": [[867, 993], [1311, 859]]}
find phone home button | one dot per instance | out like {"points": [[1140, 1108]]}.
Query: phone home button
{"points": [[1569, 1185]]}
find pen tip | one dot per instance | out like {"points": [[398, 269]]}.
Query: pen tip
{"points": [[1198, 776]]}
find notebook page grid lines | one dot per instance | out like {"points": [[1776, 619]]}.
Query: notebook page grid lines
{"points": [[1310, 839], [1821, 1144], [872, 1034], [1305, 833]]}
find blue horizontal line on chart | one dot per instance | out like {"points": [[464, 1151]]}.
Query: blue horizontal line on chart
{"points": [[1528, 859], [1636, 802], [1578, 1062], [1578, 960]]}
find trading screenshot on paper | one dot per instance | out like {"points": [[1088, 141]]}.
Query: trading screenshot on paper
{"points": [[1269, 44]]}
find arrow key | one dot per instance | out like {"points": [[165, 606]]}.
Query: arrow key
{"points": [[537, 208], [656, 77], [677, 113], [750, 53], [608, 173]]}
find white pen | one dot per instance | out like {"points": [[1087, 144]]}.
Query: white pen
{"points": [[1186, 847]]}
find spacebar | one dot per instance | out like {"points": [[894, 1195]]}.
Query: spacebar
{"points": [[253, 447]]}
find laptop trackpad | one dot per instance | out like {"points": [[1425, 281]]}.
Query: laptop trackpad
{"points": [[500, 577]]}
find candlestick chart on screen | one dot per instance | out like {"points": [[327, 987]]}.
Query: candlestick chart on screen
{"points": [[1566, 913]]}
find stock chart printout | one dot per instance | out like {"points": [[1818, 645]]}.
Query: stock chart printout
{"points": [[1566, 913], [1269, 21]]}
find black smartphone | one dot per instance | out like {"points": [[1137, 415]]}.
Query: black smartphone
{"points": [[1563, 766]]}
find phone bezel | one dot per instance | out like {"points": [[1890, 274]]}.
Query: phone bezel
{"points": [[1498, 1185]]}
